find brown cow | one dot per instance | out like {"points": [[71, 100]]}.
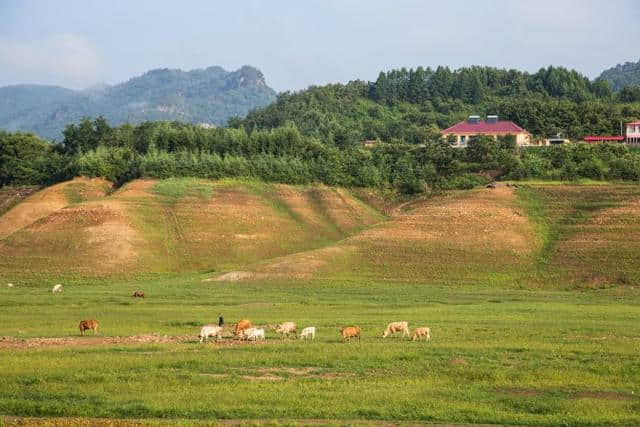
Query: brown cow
{"points": [[350, 332], [89, 324], [241, 326], [138, 294]]}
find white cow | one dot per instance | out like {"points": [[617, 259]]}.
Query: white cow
{"points": [[394, 327], [254, 334], [286, 328], [210, 331], [9, 285], [309, 331], [57, 288]]}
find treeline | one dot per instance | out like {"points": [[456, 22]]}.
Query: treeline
{"points": [[285, 155], [474, 84]]}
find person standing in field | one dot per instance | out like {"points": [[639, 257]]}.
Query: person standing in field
{"points": [[220, 320]]}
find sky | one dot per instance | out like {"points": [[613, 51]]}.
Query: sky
{"points": [[79, 43]]}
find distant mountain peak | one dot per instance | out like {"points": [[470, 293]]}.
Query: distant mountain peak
{"points": [[209, 95], [622, 75]]}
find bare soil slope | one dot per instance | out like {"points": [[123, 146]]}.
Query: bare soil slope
{"points": [[458, 237], [177, 225]]}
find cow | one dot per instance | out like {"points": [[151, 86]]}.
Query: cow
{"points": [[254, 334], [88, 324], [57, 288], [286, 328], [241, 326], [138, 294], [394, 327], [309, 331], [9, 285], [210, 331], [421, 332], [350, 332]]}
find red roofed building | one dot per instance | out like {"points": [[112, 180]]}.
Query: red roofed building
{"points": [[491, 127], [602, 139], [633, 133]]}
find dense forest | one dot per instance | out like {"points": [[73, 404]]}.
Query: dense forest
{"points": [[316, 136]]}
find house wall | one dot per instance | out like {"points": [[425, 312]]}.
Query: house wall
{"points": [[522, 138]]}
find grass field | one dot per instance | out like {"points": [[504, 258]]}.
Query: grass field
{"points": [[497, 356], [531, 295]]}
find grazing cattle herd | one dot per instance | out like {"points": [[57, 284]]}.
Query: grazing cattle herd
{"points": [[244, 330]]}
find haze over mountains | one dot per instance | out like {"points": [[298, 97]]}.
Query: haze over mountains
{"points": [[210, 96]]}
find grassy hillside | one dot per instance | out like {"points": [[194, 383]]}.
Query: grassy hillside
{"points": [[463, 236], [590, 233], [555, 236], [76, 229]]}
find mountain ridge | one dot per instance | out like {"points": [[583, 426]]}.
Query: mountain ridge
{"points": [[622, 75], [210, 95]]}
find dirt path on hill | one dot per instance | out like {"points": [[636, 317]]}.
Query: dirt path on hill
{"points": [[13, 343]]}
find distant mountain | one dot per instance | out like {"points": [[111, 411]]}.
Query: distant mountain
{"points": [[210, 96], [623, 75]]}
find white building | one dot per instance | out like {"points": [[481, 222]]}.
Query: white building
{"points": [[633, 133]]}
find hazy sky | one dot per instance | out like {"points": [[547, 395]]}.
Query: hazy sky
{"points": [[76, 43]]}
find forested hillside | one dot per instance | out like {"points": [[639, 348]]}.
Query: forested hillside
{"points": [[411, 105], [210, 96]]}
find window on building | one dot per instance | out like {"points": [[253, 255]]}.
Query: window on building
{"points": [[463, 140]]}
